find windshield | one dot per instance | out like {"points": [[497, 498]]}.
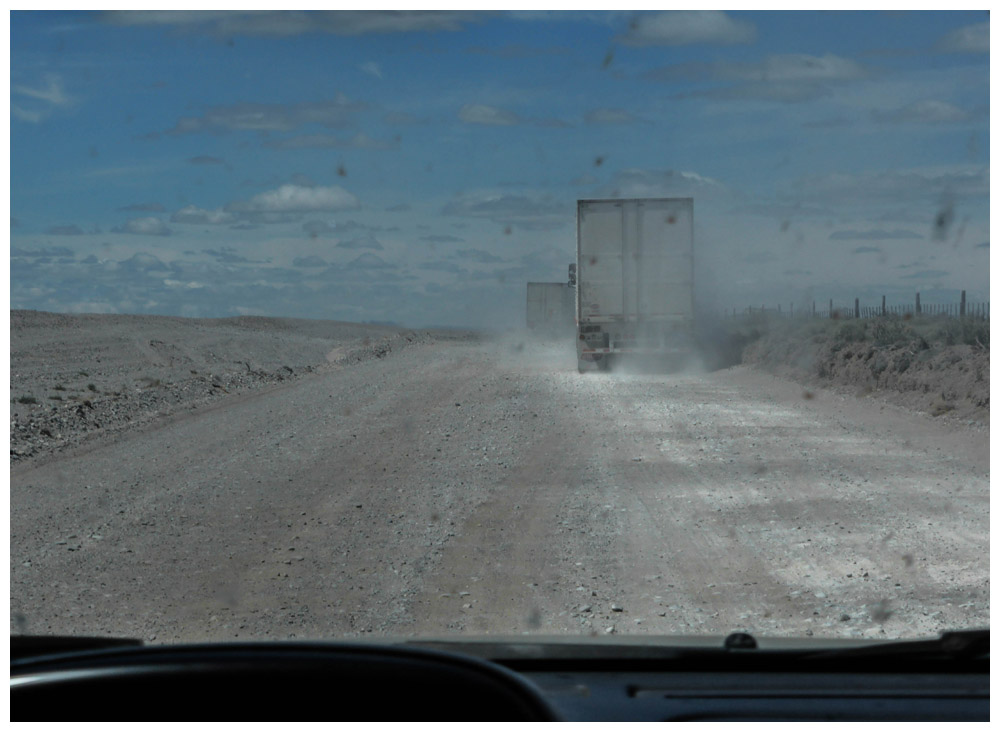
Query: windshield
{"points": [[345, 324]]}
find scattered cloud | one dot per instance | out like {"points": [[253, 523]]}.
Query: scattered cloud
{"points": [[27, 115], [339, 112], [372, 68], [43, 252], [150, 226], [478, 255], [206, 160], [65, 230], [686, 27], [310, 261], [517, 51], [604, 116], [893, 186], [286, 23], [227, 255], [369, 261], [149, 207], [483, 114], [523, 211], [969, 39], [402, 118], [866, 250], [35, 103], [295, 199], [441, 239], [364, 242], [639, 183], [195, 215], [441, 266], [927, 111], [143, 262], [317, 228], [926, 274], [827, 124], [874, 235], [778, 78], [360, 141]]}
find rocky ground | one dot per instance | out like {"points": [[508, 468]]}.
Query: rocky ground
{"points": [[476, 486], [78, 377]]}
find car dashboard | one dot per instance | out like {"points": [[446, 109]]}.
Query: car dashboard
{"points": [[515, 679]]}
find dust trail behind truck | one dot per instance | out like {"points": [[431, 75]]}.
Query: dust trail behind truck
{"points": [[635, 281]]}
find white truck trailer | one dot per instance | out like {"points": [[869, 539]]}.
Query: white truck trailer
{"points": [[635, 281], [551, 308]]}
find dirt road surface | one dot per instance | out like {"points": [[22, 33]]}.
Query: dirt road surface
{"points": [[487, 488]]}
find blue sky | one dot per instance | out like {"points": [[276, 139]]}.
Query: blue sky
{"points": [[421, 168]]}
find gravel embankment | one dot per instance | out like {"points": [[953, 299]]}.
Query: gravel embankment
{"points": [[922, 364]]}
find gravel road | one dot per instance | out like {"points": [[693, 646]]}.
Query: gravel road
{"points": [[485, 487]]}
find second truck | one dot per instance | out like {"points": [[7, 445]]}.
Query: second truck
{"points": [[635, 281]]}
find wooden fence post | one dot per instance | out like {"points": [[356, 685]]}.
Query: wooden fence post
{"points": [[961, 310], [883, 304], [857, 312], [917, 310], [830, 311]]}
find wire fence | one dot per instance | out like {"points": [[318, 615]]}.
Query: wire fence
{"points": [[960, 309]]}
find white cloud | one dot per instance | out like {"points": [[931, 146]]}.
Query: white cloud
{"points": [[369, 261], [161, 17], [143, 262], [150, 226], [26, 115], [483, 114], [291, 198], [195, 215], [65, 230], [478, 255], [524, 211], [360, 141], [639, 183], [685, 27], [364, 242], [336, 113], [970, 39], [920, 186], [781, 77], [52, 93], [795, 67], [38, 102], [370, 67], [291, 23], [928, 111]]}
